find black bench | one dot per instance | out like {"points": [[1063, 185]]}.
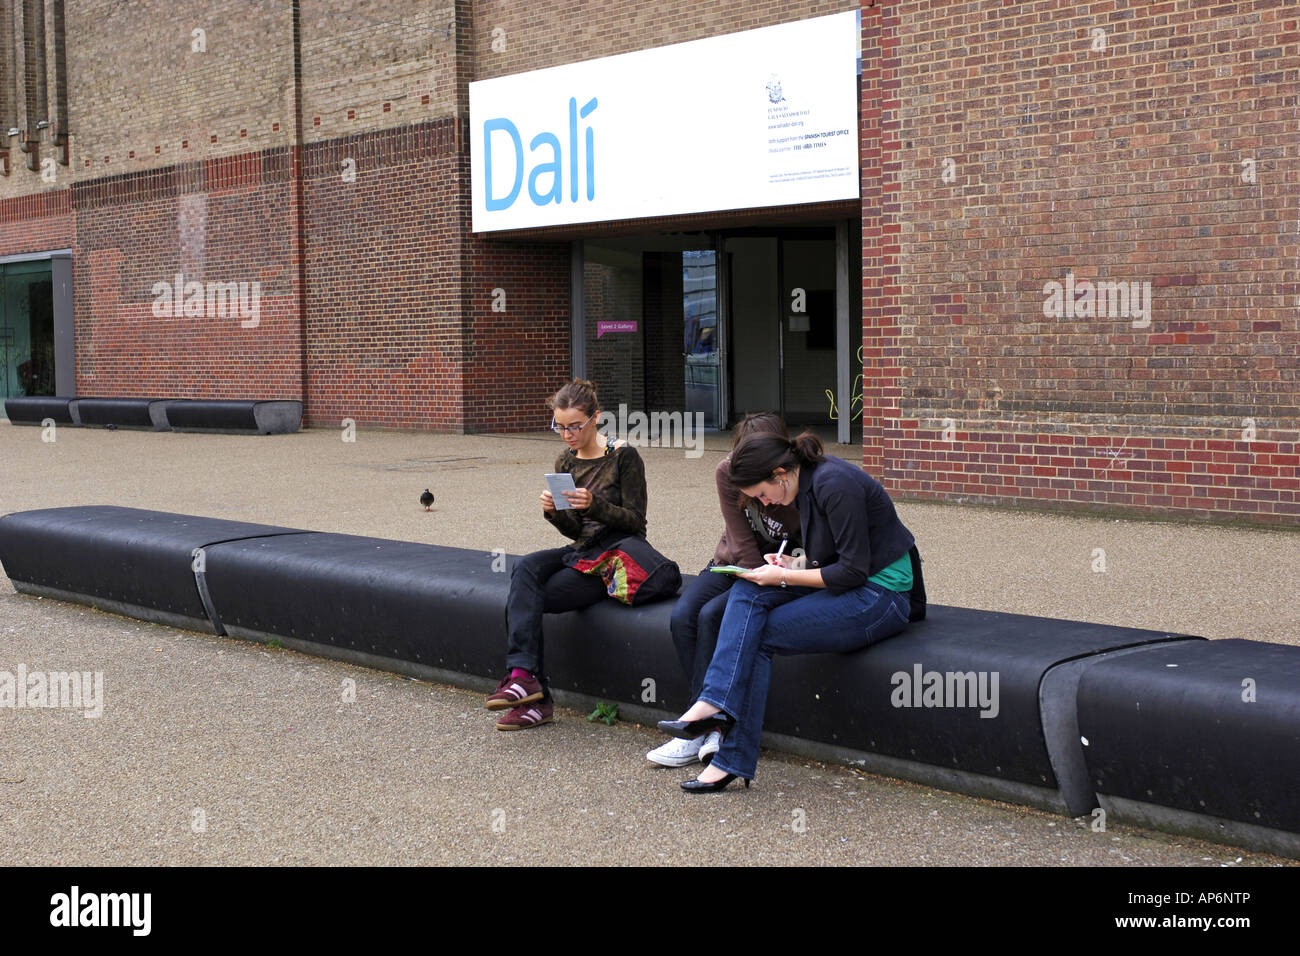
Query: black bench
{"points": [[911, 706], [35, 409], [225, 416], [118, 412], [236, 417]]}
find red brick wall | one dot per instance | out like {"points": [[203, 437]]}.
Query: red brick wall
{"points": [[518, 358], [384, 330], [402, 331], [1120, 164], [40, 222], [221, 220]]}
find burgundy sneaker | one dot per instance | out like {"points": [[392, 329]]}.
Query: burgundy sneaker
{"points": [[527, 715], [513, 691]]}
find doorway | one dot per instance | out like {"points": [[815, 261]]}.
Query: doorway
{"points": [[792, 337], [27, 365], [725, 323], [649, 335]]}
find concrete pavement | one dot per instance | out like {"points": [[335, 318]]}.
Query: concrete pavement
{"points": [[211, 750]]}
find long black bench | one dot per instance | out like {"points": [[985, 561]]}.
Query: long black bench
{"points": [[226, 416], [997, 705]]}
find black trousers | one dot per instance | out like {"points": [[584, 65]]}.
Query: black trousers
{"points": [[696, 619], [540, 583]]}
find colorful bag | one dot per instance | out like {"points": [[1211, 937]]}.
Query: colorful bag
{"points": [[634, 573]]}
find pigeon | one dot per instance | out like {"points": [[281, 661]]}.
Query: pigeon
{"points": [[426, 499]]}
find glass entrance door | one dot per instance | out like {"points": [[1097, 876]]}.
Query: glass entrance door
{"points": [[808, 340], [26, 329], [651, 338], [784, 342], [702, 351], [725, 323]]}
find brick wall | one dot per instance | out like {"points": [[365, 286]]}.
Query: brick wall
{"points": [[1006, 147], [518, 357], [1003, 149], [146, 91], [370, 67], [384, 330], [38, 222], [210, 222], [614, 292]]}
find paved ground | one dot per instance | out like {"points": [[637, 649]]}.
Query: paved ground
{"points": [[212, 750]]}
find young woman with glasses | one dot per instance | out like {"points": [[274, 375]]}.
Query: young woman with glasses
{"points": [[857, 589], [608, 503]]}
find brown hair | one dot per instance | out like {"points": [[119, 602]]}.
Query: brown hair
{"points": [[756, 423], [758, 455], [578, 393]]}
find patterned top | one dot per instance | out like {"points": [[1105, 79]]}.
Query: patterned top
{"points": [[618, 504]]}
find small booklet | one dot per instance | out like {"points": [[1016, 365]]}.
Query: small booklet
{"points": [[557, 485], [731, 569]]}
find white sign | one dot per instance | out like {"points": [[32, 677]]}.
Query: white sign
{"points": [[766, 117]]}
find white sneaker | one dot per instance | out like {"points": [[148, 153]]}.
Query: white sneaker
{"points": [[676, 753], [712, 741]]}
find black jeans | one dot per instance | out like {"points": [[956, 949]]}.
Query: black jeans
{"points": [[540, 583], [695, 623]]}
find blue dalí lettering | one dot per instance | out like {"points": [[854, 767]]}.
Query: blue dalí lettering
{"points": [[591, 150], [547, 167], [505, 126], [553, 167]]}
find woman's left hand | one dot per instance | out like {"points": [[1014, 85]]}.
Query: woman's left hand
{"points": [[769, 575], [579, 497]]}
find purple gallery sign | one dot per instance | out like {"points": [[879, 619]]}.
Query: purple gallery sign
{"points": [[603, 327]]}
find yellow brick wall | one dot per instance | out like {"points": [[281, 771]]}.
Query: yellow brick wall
{"points": [[146, 92]]}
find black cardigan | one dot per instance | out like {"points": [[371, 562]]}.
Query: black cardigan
{"points": [[850, 528]]}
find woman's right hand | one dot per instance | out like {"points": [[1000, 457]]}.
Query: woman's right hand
{"points": [[769, 575], [548, 503]]}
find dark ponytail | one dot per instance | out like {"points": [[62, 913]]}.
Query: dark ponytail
{"points": [[758, 455]]}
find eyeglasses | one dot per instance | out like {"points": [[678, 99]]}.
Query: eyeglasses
{"points": [[569, 429]]}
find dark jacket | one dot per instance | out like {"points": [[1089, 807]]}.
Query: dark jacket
{"points": [[618, 500], [850, 528]]}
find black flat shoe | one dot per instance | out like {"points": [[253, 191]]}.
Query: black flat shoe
{"points": [[716, 786], [690, 729]]}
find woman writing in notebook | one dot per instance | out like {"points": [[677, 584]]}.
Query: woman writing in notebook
{"points": [[749, 531], [857, 589]]}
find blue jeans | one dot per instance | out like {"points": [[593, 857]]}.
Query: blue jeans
{"points": [[762, 621]]}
